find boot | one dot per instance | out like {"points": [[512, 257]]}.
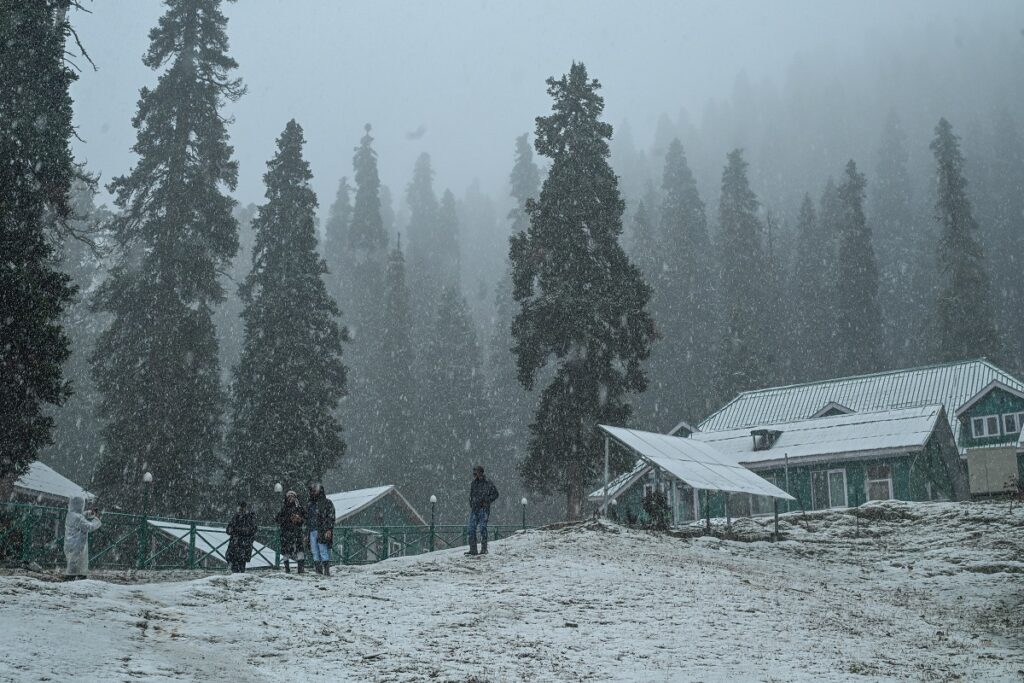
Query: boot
{"points": [[483, 547], [472, 546], [302, 567], [319, 566], [327, 568], [287, 567]]}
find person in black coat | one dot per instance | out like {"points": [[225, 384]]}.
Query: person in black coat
{"points": [[241, 534], [290, 519], [481, 494]]}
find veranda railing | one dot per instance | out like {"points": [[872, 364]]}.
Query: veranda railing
{"points": [[33, 535]]}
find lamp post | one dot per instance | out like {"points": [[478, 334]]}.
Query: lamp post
{"points": [[433, 504], [147, 483], [523, 503], [278, 488]]}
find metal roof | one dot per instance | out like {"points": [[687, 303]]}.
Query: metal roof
{"points": [[950, 384], [851, 435], [348, 503], [695, 463], [621, 482]]}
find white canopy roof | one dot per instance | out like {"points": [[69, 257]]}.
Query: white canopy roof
{"points": [[698, 464], [40, 478], [213, 542]]}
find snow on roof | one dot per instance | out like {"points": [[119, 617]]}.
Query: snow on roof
{"points": [[875, 432], [212, 541], [40, 478], [951, 384], [621, 482], [696, 463], [348, 503]]}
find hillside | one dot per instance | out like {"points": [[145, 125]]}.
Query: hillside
{"points": [[928, 592]]}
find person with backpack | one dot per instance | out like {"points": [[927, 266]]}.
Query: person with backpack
{"points": [[290, 520], [481, 494], [320, 522], [241, 534]]}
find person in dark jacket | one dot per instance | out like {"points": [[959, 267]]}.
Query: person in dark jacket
{"points": [[481, 494], [241, 534], [290, 520], [320, 521]]}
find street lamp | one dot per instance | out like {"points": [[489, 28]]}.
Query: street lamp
{"points": [[278, 488], [523, 503], [147, 483], [433, 504]]}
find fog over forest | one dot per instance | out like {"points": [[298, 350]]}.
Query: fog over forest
{"points": [[801, 87]]}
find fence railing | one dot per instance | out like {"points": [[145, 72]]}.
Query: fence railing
{"points": [[33, 535]]}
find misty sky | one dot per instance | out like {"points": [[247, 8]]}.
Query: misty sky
{"points": [[471, 74]]}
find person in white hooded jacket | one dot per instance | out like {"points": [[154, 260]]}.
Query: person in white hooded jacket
{"points": [[77, 526]]}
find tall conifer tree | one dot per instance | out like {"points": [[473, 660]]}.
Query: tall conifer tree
{"points": [[810, 294], [337, 246], [682, 361], [156, 365], [36, 171], [744, 358], [290, 377], [857, 311], [423, 233], [582, 302], [963, 312]]}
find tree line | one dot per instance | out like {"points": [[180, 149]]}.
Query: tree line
{"points": [[225, 349]]}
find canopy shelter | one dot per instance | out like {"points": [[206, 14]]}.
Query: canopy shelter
{"points": [[207, 542], [697, 464], [42, 483]]}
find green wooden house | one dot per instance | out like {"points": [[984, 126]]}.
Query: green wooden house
{"points": [[374, 523], [945, 431]]}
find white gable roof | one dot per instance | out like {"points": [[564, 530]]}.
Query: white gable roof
{"points": [[863, 434], [40, 478], [621, 482], [951, 384], [698, 464], [348, 503]]}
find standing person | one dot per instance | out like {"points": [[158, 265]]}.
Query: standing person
{"points": [[241, 532], [320, 520], [77, 525], [481, 494], [290, 519]]}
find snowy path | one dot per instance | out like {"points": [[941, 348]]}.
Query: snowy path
{"points": [[936, 593]]}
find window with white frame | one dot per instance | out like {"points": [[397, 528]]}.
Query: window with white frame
{"points": [[878, 482], [828, 489], [1012, 422], [985, 426]]}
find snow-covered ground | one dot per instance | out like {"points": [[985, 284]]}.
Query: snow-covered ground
{"points": [[927, 592]]}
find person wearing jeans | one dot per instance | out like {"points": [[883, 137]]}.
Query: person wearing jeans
{"points": [[320, 519], [481, 494]]}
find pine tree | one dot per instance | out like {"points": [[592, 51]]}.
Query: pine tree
{"points": [[368, 248], [290, 377], [582, 303], [776, 311], [744, 359], [1006, 199], [447, 246], [156, 365], [451, 437], [36, 171], [830, 215], [682, 362], [645, 251], [903, 250], [337, 246], [423, 219], [963, 312], [857, 311], [398, 389], [810, 296]]}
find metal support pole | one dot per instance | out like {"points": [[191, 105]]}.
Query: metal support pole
{"points": [[707, 509], [384, 541], [432, 532], [776, 501], [192, 545], [728, 515], [607, 472], [786, 456]]}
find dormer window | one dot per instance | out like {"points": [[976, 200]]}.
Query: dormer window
{"points": [[1012, 423], [765, 438], [985, 426]]}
